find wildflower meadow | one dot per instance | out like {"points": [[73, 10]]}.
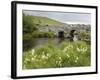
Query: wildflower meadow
{"points": [[66, 54]]}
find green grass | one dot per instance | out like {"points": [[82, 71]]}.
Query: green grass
{"points": [[66, 54], [45, 21]]}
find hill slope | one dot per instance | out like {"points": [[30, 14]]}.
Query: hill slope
{"points": [[44, 21], [45, 24]]}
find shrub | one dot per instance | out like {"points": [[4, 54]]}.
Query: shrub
{"points": [[85, 36]]}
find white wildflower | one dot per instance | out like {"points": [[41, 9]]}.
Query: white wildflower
{"points": [[75, 61], [48, 55], [33, 51], [82, 49], [26, 60], [65, 49], [67, 55], [44, 57], [77, 58], [60, 58], [59, 63], [32, 59], [78, 49], [35, 56]]}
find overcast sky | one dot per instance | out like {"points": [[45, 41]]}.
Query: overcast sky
{"points": [[65, 17]]}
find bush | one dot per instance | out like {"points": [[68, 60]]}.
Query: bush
{"points": [[28, 28], [28, 25], [85, 36]]}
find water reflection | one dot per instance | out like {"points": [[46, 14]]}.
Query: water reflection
{"points": [[38, 42]]}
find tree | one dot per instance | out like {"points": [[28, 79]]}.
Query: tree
{"points": [[28, 25], [28, 28]]}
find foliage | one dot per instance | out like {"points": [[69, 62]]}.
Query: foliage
{"points": [[28, 25], [39, 34], [85, 36], [28, 28], [67, 54]]}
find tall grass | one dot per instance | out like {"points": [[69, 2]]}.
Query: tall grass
{"points": [[66, 54]]}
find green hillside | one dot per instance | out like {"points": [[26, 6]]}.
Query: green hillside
{"points": [[44, 21]]}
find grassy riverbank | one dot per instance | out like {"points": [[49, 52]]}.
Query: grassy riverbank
{"points": [[66, 54]]}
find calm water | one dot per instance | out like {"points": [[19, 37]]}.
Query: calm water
{"points": [[38, 42], [41, 41]]}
